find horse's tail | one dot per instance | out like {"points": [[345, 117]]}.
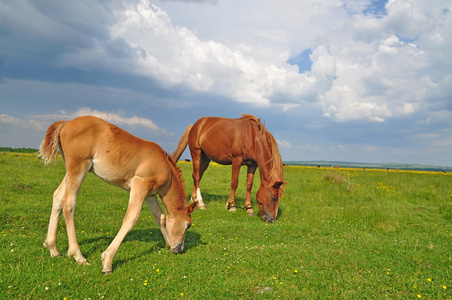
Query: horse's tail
{"points": [[182, 145], [48, 150]]}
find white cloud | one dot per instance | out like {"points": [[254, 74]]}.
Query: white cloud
{"points": [[284, 144], [118, 118], [21, 123], [364, 66]]}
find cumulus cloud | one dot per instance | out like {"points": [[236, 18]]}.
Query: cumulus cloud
{"points": [[176, 56], [365, 64]]}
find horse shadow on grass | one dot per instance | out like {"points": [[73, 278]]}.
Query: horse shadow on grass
{"points": [[215, 198], [239, 203], [101, 243]]}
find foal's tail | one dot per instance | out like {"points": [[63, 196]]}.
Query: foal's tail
{"points": [[182, 145], [48, 150]]}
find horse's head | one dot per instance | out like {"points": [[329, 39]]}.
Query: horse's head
{"points": [[176, 227], [268, 200]]}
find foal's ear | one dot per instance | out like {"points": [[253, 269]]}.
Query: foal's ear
{"points": [[192, 207], [278, 184]]}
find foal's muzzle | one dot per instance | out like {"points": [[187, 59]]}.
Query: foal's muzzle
{"points": [[178, 248]]}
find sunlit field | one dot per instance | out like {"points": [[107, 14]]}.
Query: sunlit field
{"points": [[340, 234]]}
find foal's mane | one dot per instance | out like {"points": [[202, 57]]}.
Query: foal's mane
{"points": [[276, 173], [178, 173]]}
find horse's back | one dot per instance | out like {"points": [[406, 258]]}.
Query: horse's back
{"points": [[88, 135], [221, 139], [114, 154]]}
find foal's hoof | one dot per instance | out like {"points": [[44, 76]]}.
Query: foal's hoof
{"points": [[107, 272], [231, 208], [202, 207], [250, 212]]}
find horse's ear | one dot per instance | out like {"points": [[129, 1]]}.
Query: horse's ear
{"points": [[278, 184], [192, 207]]}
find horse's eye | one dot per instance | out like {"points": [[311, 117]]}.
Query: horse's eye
{"points": [[274, 198]]}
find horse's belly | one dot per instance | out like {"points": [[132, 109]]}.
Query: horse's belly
{"points": [[111, 176], [220, 158]]}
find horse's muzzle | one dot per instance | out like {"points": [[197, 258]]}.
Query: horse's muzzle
{"points": [[268, 219], [178, 248]]}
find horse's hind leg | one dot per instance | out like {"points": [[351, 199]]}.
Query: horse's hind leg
{"points": [[51, 239], [200, 164], [75, 174]]}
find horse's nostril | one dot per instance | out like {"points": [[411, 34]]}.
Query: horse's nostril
{"points": [[178, 248], [266, 218]]}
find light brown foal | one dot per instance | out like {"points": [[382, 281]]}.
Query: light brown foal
{"points": [[88, 144]]}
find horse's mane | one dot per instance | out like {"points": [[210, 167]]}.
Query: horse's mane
{"points": [[178, 173], [276, 170]]}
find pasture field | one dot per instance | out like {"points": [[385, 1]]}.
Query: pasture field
{"points": [[340, 234]]}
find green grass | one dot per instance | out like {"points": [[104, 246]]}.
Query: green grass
{"points": [[340, 234]]}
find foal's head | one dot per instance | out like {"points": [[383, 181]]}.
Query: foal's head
{"points": [[177, 225], [268, 200]]}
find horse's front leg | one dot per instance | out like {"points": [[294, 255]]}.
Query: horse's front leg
{"points": [[137, 195], [230, 205], [249, 186], [159, 217]]}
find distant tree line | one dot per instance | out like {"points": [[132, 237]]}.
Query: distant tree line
{"points": [[18, 150]]}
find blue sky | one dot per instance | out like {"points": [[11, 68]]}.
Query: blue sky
{"points": [[350, 80]]}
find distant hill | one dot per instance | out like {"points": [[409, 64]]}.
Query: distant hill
{"points": [[347, 164]]}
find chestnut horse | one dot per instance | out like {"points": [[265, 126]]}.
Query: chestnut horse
{"points": [[236, 142], [88, 144]]}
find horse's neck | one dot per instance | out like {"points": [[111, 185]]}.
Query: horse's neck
{"points": [[264, 160], [174, 198]]}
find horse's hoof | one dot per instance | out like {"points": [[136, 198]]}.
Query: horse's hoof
{"points": [[231, 208], [250, 211], [202, 207], [107, 272]]}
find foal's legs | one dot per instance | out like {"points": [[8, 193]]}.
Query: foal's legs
{"points": [[50, 241], [159, 217], [138, 192], [200, 164], [249, 186], [75, 173]]}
